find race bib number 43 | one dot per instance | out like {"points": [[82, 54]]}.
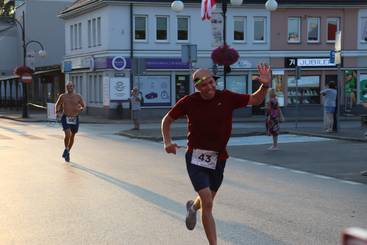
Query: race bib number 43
{"points": [[204, 158], [71, 120]]}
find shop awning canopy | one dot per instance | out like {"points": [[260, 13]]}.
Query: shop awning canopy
{"points": [[4, 78]]}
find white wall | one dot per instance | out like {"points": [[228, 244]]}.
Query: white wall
{"points": [[115, 22], [8, 50]]}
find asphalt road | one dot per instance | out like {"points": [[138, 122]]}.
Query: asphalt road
{"points": [[124, 191]]}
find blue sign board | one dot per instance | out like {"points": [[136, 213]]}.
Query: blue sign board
{"points": [[332, 57]]}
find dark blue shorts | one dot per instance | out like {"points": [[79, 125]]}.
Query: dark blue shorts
{"points": [[73, 127], [204, 177]]}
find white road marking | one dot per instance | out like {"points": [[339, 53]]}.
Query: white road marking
{"points": [[296, 171], [262, 140]]}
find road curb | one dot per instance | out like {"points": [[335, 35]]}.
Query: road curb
{"points": [[338, 137]]}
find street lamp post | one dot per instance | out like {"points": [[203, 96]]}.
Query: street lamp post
{"points": [[41, 53], [338, 59]]}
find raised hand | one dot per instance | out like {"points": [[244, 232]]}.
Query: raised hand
{"points": [[265, 74]]}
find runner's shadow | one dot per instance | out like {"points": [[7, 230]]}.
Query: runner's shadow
{"points": [[174, 208], [235, 233]]}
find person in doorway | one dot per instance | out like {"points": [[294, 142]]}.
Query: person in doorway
{"points": [[273, 117], [329, 94], [209, 113], [68, 106], [136, 101]]}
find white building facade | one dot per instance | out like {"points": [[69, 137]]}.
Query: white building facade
{"points": [[103, 38]]}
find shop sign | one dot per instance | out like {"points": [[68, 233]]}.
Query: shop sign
{"points": [[67, 66], [119, 89], [242, 63], [119, 63], [314, 62], [150, 63], [307, 62]]}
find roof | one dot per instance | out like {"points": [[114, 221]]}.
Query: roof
{"points": [[84, 3]]}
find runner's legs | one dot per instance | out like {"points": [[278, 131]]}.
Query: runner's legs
{"points": [[67, 137], [206, 200], [71, 140]]}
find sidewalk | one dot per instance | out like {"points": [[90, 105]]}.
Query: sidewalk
{"points": [[355, 133], [352, 134]]}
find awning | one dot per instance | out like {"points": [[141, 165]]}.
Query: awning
{"points": [[3, 78], [46, 71]]}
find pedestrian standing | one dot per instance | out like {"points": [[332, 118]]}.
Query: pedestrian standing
{"points": [[209, 118], [273, 117], [136, 100], [329, 94], [68, 106]]}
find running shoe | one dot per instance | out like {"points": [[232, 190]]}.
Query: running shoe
{"points": [[64, 153], [364, 173], [191, 215], [67, 157]]}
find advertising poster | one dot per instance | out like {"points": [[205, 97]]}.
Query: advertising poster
{"points": [[156, 90], [363, 88], [350, 88], [217, 29], [119, 89]]}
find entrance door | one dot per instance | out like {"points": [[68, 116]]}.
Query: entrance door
{"points": [[182, 86], [257, 109], [329, 78]]}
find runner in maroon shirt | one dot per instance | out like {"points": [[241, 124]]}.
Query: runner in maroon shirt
{"points": [[209, 115]]}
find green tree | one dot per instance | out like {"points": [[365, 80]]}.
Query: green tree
{"points": [[6, 8]]}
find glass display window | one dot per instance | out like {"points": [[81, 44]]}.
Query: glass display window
{"points": [[307, 91], [237, 84], [278, 85]]}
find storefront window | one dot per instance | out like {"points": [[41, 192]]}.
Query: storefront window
{"points": [[156, 90], [235, 84], [307, 91], [278, 85], [350, 89], [363, 88]]}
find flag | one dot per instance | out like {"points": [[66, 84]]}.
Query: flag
{"points": [[206, 9]]}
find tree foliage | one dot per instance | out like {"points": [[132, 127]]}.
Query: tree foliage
{"points": [[6, 8]]}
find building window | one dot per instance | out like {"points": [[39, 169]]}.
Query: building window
{"points": [[294, 29], [94, 32], [313, 30], [100, 89], [72, 37], [182, 28], [99, 34], [304, 91], [364, 29], [239, 28], [259, 29], [89, 33], [140, 33], [162, 28], [80, 35], [90, 89], [332, 28], [75, 36]]}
